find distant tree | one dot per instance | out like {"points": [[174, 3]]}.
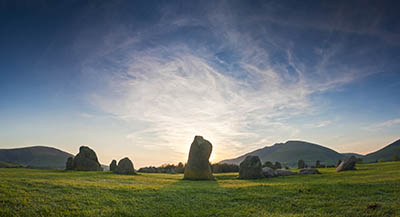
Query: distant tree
{"points": [[381, 160], [301, 164], [359, 160], [268, 164], [277, 165], [395, 158], [180, 168]]}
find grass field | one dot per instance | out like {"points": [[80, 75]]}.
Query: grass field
{"points": [[372, 190]]}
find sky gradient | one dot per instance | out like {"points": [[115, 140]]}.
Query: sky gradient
{"points": [[142, 78]]}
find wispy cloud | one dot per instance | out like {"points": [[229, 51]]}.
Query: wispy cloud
{"points": [[382, 125], [228, 86]]}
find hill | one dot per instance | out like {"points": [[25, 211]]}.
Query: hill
{"points": [[36, 156], [9, 165], [290, 152], [352, 154], [385, 153]]}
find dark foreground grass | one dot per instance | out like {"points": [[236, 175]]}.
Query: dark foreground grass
{"points": [[372, 190]]}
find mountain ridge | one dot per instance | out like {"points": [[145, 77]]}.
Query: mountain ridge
{"points": [[291, 151], [316, 152], [36, 156], [386, 153]]}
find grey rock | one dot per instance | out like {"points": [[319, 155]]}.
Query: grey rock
{"points": [[69, 164], [309, 171], [86, 160], [198, 165], [282, 172], [348, 163], [125, 166], [113, 165], [269, 172], [250, 168]]}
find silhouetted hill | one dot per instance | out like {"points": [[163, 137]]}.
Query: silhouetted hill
{"points": [[385, 153], [290, 152], [9, 165], [352, 154], [36, 156]]}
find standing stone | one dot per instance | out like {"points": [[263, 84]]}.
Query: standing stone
{"points": [[198, 167], [250, 168], [309, 171], [70, 164], [86, 160], [317, 164], [268, 172], [348, 163], [301, 164], [113, 165], [125, 166]]}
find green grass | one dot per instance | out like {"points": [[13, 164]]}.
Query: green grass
{"points": [[30, 192]]}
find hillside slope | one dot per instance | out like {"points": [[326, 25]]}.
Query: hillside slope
{"points": [[36, 156], [385, 153], [290, 152], [352, 154]]}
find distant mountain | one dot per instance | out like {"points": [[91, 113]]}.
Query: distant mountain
{"points": [[290, 152], [352, 154], [36, 156], [385, 153]]}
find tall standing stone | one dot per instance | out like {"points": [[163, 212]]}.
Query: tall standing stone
{"points": [[86, 160], [301, 164], [70, 164], [125, 166], [198, 167], [250, 168], [113, 165]]}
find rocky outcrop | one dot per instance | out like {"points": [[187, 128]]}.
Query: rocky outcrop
{"points": [[250, 168], [198, 165]]}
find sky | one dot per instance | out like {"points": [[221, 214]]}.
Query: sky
{"points": [[140, 79]]}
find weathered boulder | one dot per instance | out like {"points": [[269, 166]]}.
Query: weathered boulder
{"points": [[282, 172], [69, 165], [125, 166], [86, 160], [250, 168], [198, 167], [348, 163], [309, 171], [269, 172], [113, 165]]}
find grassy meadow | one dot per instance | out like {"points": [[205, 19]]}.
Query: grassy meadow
{"points": [[372, 190]]}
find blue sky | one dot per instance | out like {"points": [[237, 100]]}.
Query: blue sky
{"points": [[142, 78]]}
